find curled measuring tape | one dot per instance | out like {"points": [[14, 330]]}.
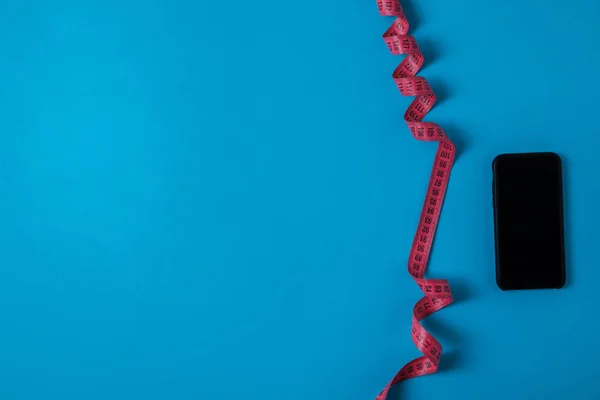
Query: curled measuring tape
{"points": [[437, 291]]}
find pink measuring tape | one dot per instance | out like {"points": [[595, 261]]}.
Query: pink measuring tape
{"points": [[437, 291]]}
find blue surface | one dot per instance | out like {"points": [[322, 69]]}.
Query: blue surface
{"points": [[207, 200]]}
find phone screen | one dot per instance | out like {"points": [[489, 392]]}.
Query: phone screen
{"points": [[528, 213]]}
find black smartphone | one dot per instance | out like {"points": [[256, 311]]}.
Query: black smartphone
{"points": [[528, 220]]}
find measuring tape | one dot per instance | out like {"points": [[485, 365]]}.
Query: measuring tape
{"points": [[437, 291]]}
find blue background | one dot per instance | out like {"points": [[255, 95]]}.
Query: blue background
{"points": [[215, 200]]}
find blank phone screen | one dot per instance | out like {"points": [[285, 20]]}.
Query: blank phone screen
{"points": [[528, 221]]}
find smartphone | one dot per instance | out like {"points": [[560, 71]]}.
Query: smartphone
{"points": [[528, 221]]}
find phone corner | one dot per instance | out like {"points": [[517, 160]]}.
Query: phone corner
{"points": [[500, 284], [555, 156], [495, 161]]}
